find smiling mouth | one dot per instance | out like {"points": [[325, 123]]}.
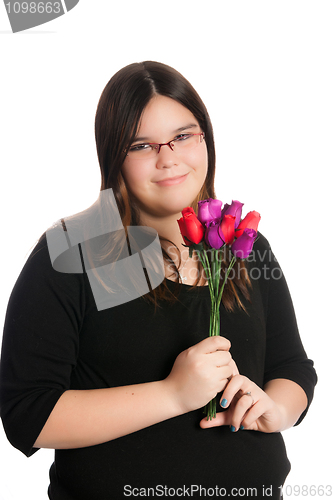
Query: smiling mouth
{"points": [[172, 181]]}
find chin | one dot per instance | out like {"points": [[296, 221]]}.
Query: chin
{"points": [[185, 199], [176, 208]]}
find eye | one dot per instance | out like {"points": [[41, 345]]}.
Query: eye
{"points": [[182, 137], [139, 147]]}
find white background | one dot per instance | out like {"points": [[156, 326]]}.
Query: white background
{"points": [[265, 71]]}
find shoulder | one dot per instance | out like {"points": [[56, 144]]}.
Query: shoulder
{"points": [[262, 252], [42, 271], [262, 264], [39, 253], [261, 243]]}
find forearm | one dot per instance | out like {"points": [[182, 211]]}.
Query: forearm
{"points": [[289, 397], [91, 417], [87, 418]]}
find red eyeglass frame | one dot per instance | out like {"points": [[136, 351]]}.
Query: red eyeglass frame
{"points": [[168, 143]]}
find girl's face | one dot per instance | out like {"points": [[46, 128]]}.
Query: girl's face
{"points": [[170, 181]]}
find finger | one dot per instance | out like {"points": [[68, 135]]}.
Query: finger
{"points": [[241, 410], [212, 344], [222, 418], [225, 374], [221, 358], [234, 367], [236, 384], [220, 375], [249, 422], [253, 415]]}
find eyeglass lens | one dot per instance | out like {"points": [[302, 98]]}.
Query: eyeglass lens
{"points": [[181, 143]]}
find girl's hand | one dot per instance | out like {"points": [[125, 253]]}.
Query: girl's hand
{"points": [[253, 411], [200, 372]]}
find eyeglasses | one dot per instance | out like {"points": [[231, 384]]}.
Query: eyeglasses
{"points": [[180, 144]]}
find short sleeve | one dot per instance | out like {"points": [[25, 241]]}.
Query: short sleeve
{"points": [[40, 346], [285, 355]]}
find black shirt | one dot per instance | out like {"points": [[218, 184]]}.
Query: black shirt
{"points": [[55, 339]]}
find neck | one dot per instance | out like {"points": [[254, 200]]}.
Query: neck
{"points": [[168, 228]]}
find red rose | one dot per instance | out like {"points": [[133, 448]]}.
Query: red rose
{"points": [[226, 229], [251, 221], [191, 228]]}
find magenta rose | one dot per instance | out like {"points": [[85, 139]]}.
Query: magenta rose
{"points": [[234, 209], [209, 209], [212, 236], [242, 247]]}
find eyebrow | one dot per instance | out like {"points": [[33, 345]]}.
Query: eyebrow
{"points": [[181, 129]]}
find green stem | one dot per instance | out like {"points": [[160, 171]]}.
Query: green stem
{"points": [[208, 267], [217, 270], [226, 277], [216, 296], [204, 260]]}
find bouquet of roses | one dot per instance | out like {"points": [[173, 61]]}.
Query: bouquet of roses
{"points": [[207, 234]]}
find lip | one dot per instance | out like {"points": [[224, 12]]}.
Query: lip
{"points": [[172, 181]]}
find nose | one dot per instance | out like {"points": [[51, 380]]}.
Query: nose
{"points": [[166, 158]]}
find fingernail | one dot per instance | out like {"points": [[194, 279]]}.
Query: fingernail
{"points": [[224, 403], [241, 427], [232, 428]]}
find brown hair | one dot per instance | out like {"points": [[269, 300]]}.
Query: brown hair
{"points": [[118, 115]]}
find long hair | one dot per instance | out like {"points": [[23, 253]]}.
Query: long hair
{"points": [[118, 115], [117, 121]]}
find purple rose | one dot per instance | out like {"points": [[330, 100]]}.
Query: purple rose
{"points": [[235, 210], [212, 237], [209, 209], [242, 247]]}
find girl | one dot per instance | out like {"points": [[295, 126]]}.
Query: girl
{"points": [[119, 392]]}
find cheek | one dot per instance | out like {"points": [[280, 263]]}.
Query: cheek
{"points": [[199, 161], [133, 177]]}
